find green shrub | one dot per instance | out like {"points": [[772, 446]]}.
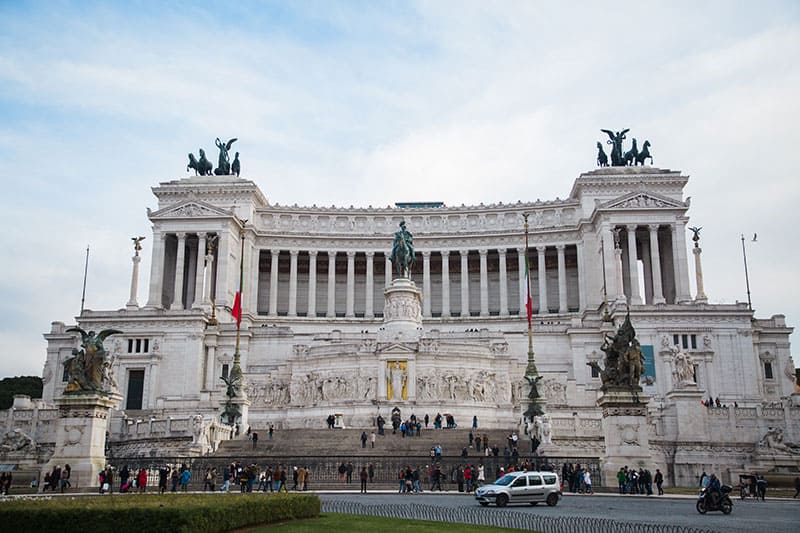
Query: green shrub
{"points": [[185, 513]]}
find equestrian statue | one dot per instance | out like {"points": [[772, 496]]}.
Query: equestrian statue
{"points": [[402, 257]]}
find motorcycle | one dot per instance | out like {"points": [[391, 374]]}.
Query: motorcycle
{"points": [[706, 502]]}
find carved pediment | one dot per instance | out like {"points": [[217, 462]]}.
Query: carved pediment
{"points": [[643, 200], [397, 348], [189, 209]]}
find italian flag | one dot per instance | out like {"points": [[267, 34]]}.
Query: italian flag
{"points": [[236, 310]]}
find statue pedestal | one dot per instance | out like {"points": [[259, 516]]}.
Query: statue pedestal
{"points": [[690, 416], [81, 436], [402, 313], [625, 430]]}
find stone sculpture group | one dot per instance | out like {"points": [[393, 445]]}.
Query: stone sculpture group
{"points": [[624, 362], [89, 369], [632, 157], [202, 166]]}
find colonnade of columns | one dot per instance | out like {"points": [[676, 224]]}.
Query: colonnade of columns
{"points": [[492, 294], [662, 250]]}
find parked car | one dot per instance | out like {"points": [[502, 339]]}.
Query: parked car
{"points": [[521, 487]]}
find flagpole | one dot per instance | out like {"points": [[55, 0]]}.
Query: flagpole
{"points": [[530, 370], [85, 273], [236, 371]]}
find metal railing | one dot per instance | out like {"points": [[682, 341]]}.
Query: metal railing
{"points": [[502, 518]]}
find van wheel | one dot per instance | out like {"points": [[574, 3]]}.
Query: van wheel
{"points": [[502, 500], [552, 499]]}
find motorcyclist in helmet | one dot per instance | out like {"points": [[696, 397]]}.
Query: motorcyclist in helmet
{"points": [[714, 490]]}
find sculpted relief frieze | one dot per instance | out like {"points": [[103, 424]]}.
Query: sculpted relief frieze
{"points": [[478, 219]]}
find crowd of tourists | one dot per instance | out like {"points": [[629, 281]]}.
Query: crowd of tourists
{"points": [[632, 481]]}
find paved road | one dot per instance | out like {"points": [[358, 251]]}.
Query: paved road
{"points": [[775, 516]]}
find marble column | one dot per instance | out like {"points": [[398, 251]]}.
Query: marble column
{"points": [[208, 276], [426, 284], [633, 266], [331, 312], [369, 300], [483, 253], [503, 282], [523, 282], [312, 283], [210, 358], [698, 271], [618, 274], [293, 283], [387, 278], [445, 283], [154, 300], [655, 260], [464, 282], [581, 277], [351, 285], [133, 303], [680, 261], [177, 295], [200, 271], [562, 280], [540, 251], [273, 282], [250, 298]]}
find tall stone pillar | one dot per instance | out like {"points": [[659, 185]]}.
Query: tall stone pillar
{"points": [[625, 429], [177, 298], [484, 282], [562, 280], [331, 313], [312, 283], [133, 303], [251, 285], [293, 282], [351, 285], [199, 271], [655, 261], [633, 266], [211, 353], [445, 283], [81, 436], [540, 251], [464, 283], [426, 283], [523, 283], [503, 282], [273, 282], [369, 300], [154, 300], [698, 270]]}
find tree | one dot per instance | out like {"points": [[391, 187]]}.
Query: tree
{"points": [[27, 385]]}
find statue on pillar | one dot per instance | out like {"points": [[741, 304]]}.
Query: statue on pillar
{"points": [[89, 369], [137, 244], [403, 251]]}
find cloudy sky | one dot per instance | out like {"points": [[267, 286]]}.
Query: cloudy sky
{"points": [[336, 102]]}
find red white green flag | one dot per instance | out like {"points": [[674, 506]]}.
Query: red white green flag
{"points": [[236, 310]]}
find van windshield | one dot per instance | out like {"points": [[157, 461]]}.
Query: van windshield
{"points": [[505, 480]]}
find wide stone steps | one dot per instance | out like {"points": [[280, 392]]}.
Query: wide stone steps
{"points": [[347, 442]]}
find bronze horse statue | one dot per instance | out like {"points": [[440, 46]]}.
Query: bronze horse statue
{"points": [[631, 155], [202, 166], [602, 158], [644, 154]]}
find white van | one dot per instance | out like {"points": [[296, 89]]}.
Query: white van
{"points": [[521, 487]]}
